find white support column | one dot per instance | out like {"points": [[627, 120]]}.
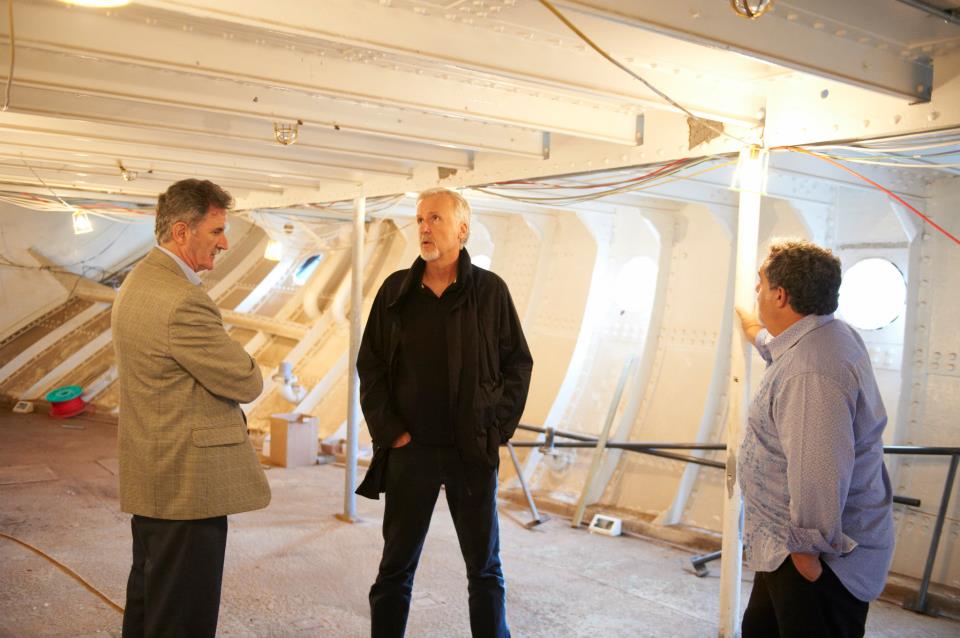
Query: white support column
{"points": [[353, 390], [748, 229]]}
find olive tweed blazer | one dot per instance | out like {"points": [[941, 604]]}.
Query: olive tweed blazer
{"points": [[184, 450]]}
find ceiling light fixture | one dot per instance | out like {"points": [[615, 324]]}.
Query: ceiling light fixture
{"points": [[97, 4], [81, 223], [753, 167], [286, 134], [743, 9], [126, 173]]}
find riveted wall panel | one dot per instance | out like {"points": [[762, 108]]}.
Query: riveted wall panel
{"points": [[617, 324], [934, 394], [686, 344], [554, 316], [704, 506]]}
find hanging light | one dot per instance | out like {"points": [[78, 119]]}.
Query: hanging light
{"points": [[744, 9], [286, 134], [274, 251], [81, 223], [752, 170], [126, 173]]}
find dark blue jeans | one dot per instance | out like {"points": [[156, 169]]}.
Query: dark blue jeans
{"points": [[414, 477]]}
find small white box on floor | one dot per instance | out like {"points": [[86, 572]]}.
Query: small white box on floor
{"points": [[607, 525], [23, 407], [293, 439]]}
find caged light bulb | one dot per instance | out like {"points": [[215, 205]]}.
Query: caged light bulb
{"points": [[81, 223]]}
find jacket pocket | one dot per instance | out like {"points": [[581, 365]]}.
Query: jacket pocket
{"points": [[210, 437], [485, 402]]}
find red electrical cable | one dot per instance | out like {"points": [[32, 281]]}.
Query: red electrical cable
{"points": [[889, 193]]}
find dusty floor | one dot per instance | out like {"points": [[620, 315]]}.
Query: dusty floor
{"points": [[295, 570]]}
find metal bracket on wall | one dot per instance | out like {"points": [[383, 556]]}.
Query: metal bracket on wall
{"points": [[628, 370]]}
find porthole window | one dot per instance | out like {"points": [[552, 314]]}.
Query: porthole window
{"points": [[306, 269], [873, 294], [636, 284]]}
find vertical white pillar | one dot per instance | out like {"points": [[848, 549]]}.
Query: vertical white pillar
{"points": [[353, 388], [750, 174]]}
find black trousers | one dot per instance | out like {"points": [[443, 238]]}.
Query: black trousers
{"points": [[414, 477], [174, 584], [783, 603]]}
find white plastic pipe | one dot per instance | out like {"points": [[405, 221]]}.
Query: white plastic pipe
{"points": [[353, 389]]}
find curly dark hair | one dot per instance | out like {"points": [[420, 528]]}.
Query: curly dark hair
{"points": [[188, 201], [810, 275]]}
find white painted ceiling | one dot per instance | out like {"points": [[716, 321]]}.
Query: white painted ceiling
{"points": [[392, 95]]}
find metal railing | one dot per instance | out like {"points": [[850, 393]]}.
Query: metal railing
{"points": [[918, 604]]}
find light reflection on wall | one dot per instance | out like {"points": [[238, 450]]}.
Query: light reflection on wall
{"points": [[636, 282]]}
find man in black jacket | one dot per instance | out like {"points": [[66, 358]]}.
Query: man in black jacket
{"points": [[444, 371]]}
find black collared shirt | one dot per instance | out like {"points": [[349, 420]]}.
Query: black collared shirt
{"points": [[423, 369]]}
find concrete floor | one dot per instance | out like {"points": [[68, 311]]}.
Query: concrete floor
{"points": [[295, 570]]}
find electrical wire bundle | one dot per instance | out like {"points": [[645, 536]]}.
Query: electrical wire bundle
{"points": [[568, 191], [374, 205], [899, 153], [836, 162], [122, 212], [744, 9]]}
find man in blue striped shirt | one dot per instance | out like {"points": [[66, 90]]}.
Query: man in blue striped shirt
{"points": [[818, 520]]}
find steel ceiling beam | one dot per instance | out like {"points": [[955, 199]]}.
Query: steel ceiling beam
{"points": [[511, 46], [257, 67], [810, 110], [665, 139], [256, 131], [292, 160], [948, 15], [806, 41], [132, 90], [14, 171], [156, 157]]}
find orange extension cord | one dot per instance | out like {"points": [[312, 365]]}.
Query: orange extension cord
{"points": [[99, 594]]}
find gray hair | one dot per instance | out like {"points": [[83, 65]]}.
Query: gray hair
{"points": [[187, 201], [461, 206]]}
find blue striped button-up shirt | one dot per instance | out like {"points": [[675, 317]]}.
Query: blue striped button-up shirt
{"points": [[811, 464]]}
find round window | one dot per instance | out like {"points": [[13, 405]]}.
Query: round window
{"points": [[873, 294]]}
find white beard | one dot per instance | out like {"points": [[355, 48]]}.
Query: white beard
{"points": [[430, 254]]}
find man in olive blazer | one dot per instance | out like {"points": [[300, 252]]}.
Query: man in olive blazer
{"points": [[185, 458]]}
